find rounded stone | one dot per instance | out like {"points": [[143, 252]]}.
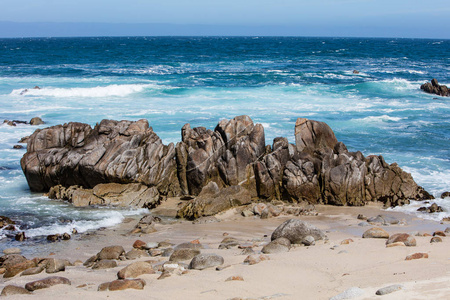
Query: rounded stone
{"points": [[375, 233], [203, 261]]}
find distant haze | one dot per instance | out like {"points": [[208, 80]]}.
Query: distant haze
{"points": [[352, 18]]}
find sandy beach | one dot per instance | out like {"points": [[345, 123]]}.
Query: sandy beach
{"points": [[321, 271]]}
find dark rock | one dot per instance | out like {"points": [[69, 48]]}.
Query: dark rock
{"points": [[296, 230], [36, 121], [435, 88], [435, 239], [135, 269], [17, 147], [389, 289], [122, 284], [46, 283], [405, 238], [53, 237], [10, 290], [439, 233], [4, 221], [355, 72], [203, 261], [434, 208], [66, 236], [20, 237], [445, 195]]}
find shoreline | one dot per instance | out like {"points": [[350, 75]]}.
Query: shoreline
{"points": [[314, 272]]}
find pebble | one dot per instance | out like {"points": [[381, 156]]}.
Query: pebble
{"points": [[350, 293], [389, 289]]}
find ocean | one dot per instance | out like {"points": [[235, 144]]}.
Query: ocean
{"points": [[171, 81]]}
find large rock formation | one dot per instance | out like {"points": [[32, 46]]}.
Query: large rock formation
{"points": [[115, 159], [435, 88]]}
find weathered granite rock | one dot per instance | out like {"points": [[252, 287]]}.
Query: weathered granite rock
{"points": [[405, 238], [417, 256], [104, 264], [46, 283], [135, 269], [375, 233], [32, 271], [55, 265], [445, 195], [10, 290], [189, 245], [277, 246], [13, 270], [136, 253], [11, 259], [122, 284], [211, 201], [435, 239], [389, 289], [296, 230], [435, 88], [183, 254], [113, 151], [308, 240], [4, 221], [36, 121], [203, 261], [255, 259], [111, 252], [125, 163]]}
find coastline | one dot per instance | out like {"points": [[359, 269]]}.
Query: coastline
{"points": [[314, 272]]}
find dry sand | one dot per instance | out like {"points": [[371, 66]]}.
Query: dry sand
{"points": [[315, 272]]}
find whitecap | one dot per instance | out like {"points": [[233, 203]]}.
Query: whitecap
{"points": [[383, 118]]}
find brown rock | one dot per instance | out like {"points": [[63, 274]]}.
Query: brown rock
{"points": [[235, 278], [13, 270], [407, 239], [138, 244], [346, 241], [396, 244], [416, 256], [254, 259], [135, 269], [36, 121], [104, 264], [10, 290], [32, 271], [46, 283], [111, 252], [136, 253], [439, 233], [183, 254], [122, 284], [436, 239], [55, 265], [375, 233], [20, 237]]}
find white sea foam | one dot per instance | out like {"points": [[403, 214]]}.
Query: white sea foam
{"points": [[411, 209], [383, 118], [114, 90]]}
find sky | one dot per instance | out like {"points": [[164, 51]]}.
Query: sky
{"points": [[399, 18]]}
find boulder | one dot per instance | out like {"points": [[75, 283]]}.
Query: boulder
{"points": [[445, 195], [10, 290], [122, 284], [212, 201], [135, 269], [13, 270], [55, 265], [5, 221], [203, 261], [36, 121], [183, 254], [277, 246], [104, 264], [405, 238], [11, 259], [32, 271], [296, 230], [375, 233], [435, 88], [46, 283], [111, 252]]}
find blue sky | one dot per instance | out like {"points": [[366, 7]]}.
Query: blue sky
{"points": [[408, 18]]}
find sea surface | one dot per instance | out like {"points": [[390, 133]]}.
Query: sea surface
{"points": [[171, 81]]}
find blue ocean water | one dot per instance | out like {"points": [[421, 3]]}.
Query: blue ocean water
{"points": [[199, 80]]}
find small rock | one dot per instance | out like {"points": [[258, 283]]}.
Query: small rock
{"points": [[111, 252], [53, 237], [20, 237], [439, 233], [254, 259], [277, 246], [350, 293], [135, 253], [138, 244], [104, 264], [445, 195], [407, 239], [346, 241], [151, 245], [55, 265], [229, 242], [32, 271], [361, 217], [189, 246], [247, 251], [156, 252], [389, 289], [17, 147], [376, 233], [135, 269], [46, 283], [396, 244], [308, 240], [435, 239], [416, 256], [10, 290], [66, 236], [447, 230], [122, 284], [355, 72], [184, 254], [235, 278], [12, 251], [36, 121], [167, 252], [203, 261], [246, 213]]}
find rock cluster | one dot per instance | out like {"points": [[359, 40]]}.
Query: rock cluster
{"points": [[126, 163], [435, 88]]}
